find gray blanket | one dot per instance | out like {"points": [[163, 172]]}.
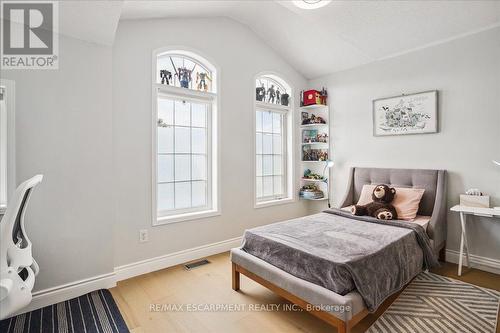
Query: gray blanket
{"points": [[342, 252]]}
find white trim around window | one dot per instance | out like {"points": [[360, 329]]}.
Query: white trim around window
{"points": [[287, 147], [7, 143], [212, 180]]}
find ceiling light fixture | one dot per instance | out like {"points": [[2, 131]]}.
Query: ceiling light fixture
{"points": [[311, 4]]}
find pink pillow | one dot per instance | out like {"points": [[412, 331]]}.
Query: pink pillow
{"points": [[406, 200]]}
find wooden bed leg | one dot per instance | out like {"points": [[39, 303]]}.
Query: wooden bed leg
{"points": [[442, 253], [342, 327], [236, 277]]}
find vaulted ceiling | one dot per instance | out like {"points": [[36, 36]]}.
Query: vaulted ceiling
{"points": [[341, 35]]}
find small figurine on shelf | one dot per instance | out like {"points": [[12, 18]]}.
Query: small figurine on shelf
{"points": [[271, 94], [311, 191], [278, 96], [323, 138], [309, 154], [302, 98], [312, 119], [201, 79], [309, 175], [260, 93], [166, 76], [323, 96]]}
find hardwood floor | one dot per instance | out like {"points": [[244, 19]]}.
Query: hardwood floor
{"points": [[211, 284]]}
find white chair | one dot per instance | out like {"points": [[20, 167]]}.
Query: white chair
{"points": [[17, 266]]}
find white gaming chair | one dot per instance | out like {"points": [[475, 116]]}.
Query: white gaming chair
{"points": [[17, 266]]}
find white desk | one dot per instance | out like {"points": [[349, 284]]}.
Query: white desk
{"points": [[464, 211]]}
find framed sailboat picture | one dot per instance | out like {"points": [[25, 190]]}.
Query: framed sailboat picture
{"points": [[406, 114]]}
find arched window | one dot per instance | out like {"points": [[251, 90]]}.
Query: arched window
{"points": [[186, 70], [273, 140], [185, 132]]}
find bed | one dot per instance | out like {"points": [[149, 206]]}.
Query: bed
{"points": [[335, 265]]}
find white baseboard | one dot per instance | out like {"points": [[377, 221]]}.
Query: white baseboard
{"points": [[482, 263], [71, 290], [150, 265], [74, 289]]}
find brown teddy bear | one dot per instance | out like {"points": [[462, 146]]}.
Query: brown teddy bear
{"points": [[381, 207]]}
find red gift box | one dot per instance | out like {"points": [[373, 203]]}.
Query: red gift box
{"points": [[311, 97]]}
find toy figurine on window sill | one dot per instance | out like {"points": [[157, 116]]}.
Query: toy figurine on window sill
{"points": [[183, 74], [284, 99], [201, 80], [165, 76], [260, 93], [271, 94]]}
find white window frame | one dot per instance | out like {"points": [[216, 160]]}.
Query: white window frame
{"points": [[190, 95], [287, 142], [7, 144]]}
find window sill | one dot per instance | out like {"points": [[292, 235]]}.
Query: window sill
{"points": [[270, 203], [184, 217]]}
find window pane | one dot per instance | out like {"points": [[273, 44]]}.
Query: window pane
{"points": [[165, 168], [182, 140], [267, 165], [199, 115], [278, 164], [166, 111], [258, 166], [278, 185], [182, 167], [267, 146], [259, 187], [165, 196], [276, 144], [268, 186], [199, 167], [165, 140], [199, 140], [258, 143], [182, 113], [258, 121], [199, 194], [267, 121], [182, 195], [276, 123]]}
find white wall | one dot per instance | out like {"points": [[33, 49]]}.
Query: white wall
{"points": [[240, 55], [63, 130], [467, 74]]}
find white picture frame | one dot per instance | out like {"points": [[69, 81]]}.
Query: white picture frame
{"points": [[415, 113]]}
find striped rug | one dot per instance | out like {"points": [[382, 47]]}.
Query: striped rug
{"points": [[93, 312], [433, 303]]}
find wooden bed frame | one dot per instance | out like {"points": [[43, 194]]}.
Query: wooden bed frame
{"points": [[433, 203], [342, 326]]}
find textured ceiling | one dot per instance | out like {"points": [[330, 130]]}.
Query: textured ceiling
{"points": [[342, 35]]}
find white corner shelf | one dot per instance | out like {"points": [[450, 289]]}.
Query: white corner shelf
{"points": [[313, 180], [317, 167], [311, 199], [314, 143], [313, 125], [314, 107]]}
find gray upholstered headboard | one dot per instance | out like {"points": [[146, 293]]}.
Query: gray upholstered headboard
{"points": [[433, 202]]}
